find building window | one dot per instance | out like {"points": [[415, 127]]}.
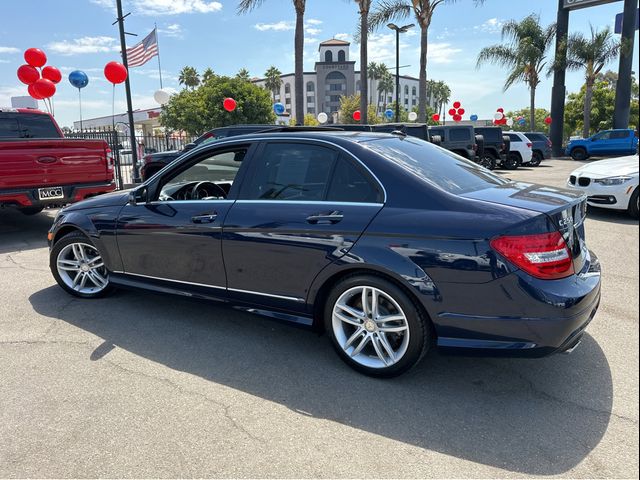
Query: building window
{"points": [[413, 91], [341, 56], [328, 56], [406, 89], [310, 87], [311, 110], [287, 88], [357, 85]]}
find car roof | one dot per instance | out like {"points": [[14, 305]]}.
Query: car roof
{"points": [[336, 135]]}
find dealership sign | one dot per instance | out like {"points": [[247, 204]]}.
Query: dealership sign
{"points": [[575, 4]]}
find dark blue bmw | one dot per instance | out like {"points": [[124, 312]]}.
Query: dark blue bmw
{"points": [[390, 244]]}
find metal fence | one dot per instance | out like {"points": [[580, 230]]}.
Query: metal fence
{"points": [[121, 148]]}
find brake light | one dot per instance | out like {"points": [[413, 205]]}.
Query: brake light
{"points": [[529, 145], [544, 256], [109, 157]]}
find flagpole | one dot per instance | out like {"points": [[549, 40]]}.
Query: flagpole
{"points": [[155, 27]]}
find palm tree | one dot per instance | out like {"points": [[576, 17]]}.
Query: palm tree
{"points": [[592, 55], [372, 71], [381, 72], [243, 74], [189, 77], [525, 54], [273, 82], [207, 75], [365, 8], [443, 96], [422, 10], [246, 6], [385, 85]]}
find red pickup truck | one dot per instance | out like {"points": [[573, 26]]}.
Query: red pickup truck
{"points": [[39, 167]]}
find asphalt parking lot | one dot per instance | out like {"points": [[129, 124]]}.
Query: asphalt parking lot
{"points": [[142, 385]]}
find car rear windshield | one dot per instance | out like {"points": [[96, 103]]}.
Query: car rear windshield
{"points": [[490, 134], [436, 165], [459, 134], [27, 125], [536, 137]]}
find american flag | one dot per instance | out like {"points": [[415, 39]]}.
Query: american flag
{"points": [[144, 51]]}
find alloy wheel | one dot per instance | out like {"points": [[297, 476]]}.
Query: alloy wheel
{"points": [[370, 326], [81, 268]]}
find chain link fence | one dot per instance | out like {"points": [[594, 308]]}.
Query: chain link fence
{"points": [[122, 148]]}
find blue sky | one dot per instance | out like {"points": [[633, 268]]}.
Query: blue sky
{"points": [[77, 34]]}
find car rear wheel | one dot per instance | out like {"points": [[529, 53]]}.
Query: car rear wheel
{"points": [[579, 154], [78, 267], [512, 162], [633, 204], [375, 327], [487, 160], [536, 159]]}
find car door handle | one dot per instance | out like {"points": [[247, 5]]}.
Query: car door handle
{"points": [[208, 218], [325, 218], [47, 159]]}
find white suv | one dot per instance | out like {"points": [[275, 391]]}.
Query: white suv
{"points": [[520, 151]]}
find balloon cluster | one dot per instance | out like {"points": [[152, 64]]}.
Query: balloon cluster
{"points": [[499, 117], [456, 112], [41, 80]]}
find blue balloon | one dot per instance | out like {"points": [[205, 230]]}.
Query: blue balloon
{"points": [[388, 113], [278, 108], [473, 118], [78, 79], [522, 121]]}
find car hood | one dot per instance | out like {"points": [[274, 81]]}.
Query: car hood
{"points": [[611, 167], [119, 198], [530, 196]]}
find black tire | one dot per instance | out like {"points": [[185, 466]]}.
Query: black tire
{"points": [[60, 246], [536, 159], [488, 160], [513, 161], [31, 210], [633, 204], [412, 347], [579, 154]]}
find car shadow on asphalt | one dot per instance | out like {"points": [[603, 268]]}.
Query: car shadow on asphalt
{"points": [[23, 232], [608, 215], [529, 416]]}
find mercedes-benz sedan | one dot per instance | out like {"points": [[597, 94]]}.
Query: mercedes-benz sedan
{"points": [[390, 244]]}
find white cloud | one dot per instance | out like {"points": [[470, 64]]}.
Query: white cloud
{"points": [[493, 25], [9, 50], [174, 30], [441, 53], [85, 45], [7, 92], [166, 7], [276, 27], [343, 36], [382, 47], [4, 61], [312, 31], [313, 21]]}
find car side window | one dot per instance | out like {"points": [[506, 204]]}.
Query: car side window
{"points": [[619, 135], [602, 136], [211, 178], [349, 184], [37, 126], [459, 134], [514, 138], [9, 127], [291, 171], [433, 131]]}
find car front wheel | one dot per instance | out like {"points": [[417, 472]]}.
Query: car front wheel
{"points": [[375, 327], [579, 154], [77, 266], [487, 160], [536, 159]]}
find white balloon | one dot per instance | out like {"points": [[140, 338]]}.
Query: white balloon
{"points": [[161, 96], [322, 117], [498, 116], [509, 121], [413, 116]]}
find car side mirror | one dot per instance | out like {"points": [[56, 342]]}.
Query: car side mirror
{"points": [[138, 195], [189, 146]]}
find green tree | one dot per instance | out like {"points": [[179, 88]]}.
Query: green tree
{"points": [[541, 114], [524, 55], [442, 96], [385, 86], [273, 82], [349, 104], [243, 74], [299, 6], [590, 54], [422, 11], [200, 109], [207, 75], [189, 77]]}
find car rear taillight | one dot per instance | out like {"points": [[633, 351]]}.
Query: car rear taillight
{"points": [[109, 156], [544, 255], [549, 144], [529, 145]]}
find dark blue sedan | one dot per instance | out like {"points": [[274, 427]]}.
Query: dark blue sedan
{"points": [[390, 244]]}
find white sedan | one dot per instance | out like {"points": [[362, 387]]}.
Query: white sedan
{"points": [[611, 183]]}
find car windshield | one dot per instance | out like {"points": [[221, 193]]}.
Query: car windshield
{"points": [[436, 165]]}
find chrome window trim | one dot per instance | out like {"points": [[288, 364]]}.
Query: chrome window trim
{"points": [[250, 138], [312, 202], [272, 295], [165, 202]]}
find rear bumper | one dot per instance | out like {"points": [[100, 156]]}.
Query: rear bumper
{"points": [[571, 304], [615, 196], [22, 198]]}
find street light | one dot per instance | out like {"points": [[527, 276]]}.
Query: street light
{"points": [[398, 31]]}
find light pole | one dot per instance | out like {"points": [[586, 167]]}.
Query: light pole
{"points": [[398, 31]]}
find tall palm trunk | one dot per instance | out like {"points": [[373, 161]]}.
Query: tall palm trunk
{"points": [[532, 106], [364, 94], [588, 96], [299, 77], [422, 84]]}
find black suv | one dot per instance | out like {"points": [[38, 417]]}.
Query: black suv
{"points": [[460, 139], [496, 146]]}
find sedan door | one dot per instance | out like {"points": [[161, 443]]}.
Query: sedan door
{"points": [[302, 206], [176, 235]]}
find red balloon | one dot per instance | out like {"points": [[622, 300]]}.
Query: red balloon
{"points": [[115, 72], [435, 117], [548, 120], [229, 104], [44, 88], [501, 110], [456, 104], [357, 116], [28, 74], [461, 111], [457, 118], [33, 93], [452, 111], [51, 73], [35, 57]]}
